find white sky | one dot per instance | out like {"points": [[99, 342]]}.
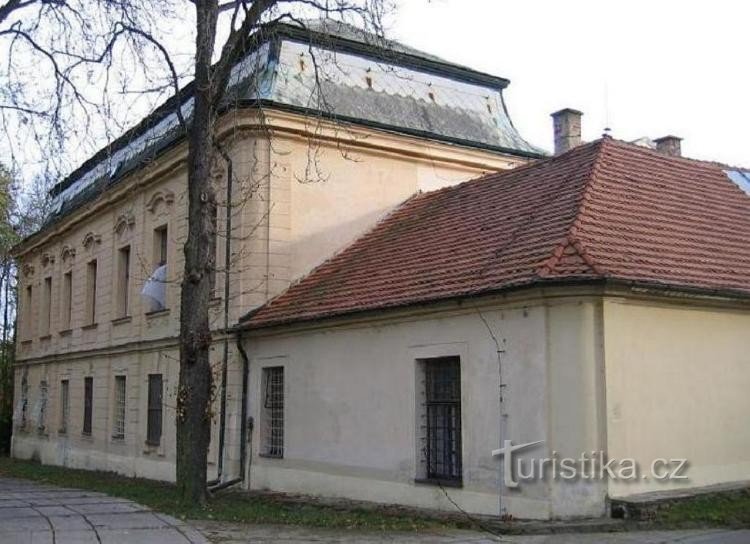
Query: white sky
{"points": [[658, 67]]}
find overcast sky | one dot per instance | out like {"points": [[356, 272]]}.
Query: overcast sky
{"points": [[644, 68]]}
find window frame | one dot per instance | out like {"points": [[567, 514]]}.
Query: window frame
{"points": [[46, 317], [66, 301], [64, 406], [88, 406], [123, 281], [119, 407], [441, 426], [273, 412], [92, 271], [155, 410]]}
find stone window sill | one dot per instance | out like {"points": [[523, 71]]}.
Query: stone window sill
{"points": [[65, 332], [90, 326], [437, 481], [26, 342], [157, 313], [122, 320], [45, 337], [215, 301]]}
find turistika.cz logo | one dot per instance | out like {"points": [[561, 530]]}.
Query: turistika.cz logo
{"points": [[593, 465]]}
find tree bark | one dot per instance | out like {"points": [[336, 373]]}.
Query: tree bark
{"points": [[194, 393]]}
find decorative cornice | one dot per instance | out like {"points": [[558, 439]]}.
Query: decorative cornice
{"points": [[47, 259], [28, 270]]}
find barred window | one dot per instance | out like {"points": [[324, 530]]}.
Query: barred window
{"points": [[88, 404], [41, 415], [273, 412], [153, 423], [64, 406], [118, 427], [442, 410]]}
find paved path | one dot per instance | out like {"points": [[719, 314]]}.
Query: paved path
{"points": [[227, 533], [32, 513]]}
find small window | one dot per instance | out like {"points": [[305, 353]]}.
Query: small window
{"points": [[22, 408], [64, 406], [66, 302], [123, 281], [28, 309], [442, 419], [118, 427], [46, 318], [160, 246], [273, 412], [88, 404], [91, 271], [41, 407], [153, 424]]}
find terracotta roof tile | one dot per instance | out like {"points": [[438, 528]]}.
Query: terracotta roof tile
{"points": [[607, 209]]}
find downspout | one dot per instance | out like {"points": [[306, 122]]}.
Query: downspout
{"points": [[225, 361], [245, 423]]}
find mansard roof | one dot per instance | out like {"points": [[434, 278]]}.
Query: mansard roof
{"points": [[607, 210], [363, 80]]}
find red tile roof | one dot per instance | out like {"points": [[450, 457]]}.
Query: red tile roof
{"points": [[605, 210]]}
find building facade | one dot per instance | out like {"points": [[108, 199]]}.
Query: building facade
{"points": [[97, 361]]}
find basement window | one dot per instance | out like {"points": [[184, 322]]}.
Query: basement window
{"points": [[440, 421], [272, 429]]}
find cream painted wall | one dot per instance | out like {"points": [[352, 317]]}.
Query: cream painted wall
{"points": [[350, 414], [678, 383]]}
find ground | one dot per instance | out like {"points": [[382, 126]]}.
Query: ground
{"points": [[38, 513]]}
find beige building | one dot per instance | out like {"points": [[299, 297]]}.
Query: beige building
{"points": [[97, 360], [594, 301]]}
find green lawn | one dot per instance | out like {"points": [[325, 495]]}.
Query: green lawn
{"points": [[724, 510], [224, 506]]}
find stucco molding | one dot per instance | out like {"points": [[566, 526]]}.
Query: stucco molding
{"points": [[90, 240], [67, 254], [124, 223], [28, 270], [47, 259], [164, 196]]}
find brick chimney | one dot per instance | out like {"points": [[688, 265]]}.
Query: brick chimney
{"points": [[567, 127], [669, 145]]}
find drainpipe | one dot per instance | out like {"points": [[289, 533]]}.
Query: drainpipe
{"points": [[225, 361], [245, 424]]}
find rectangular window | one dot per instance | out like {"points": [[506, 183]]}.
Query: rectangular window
{"points": [[28, 309], [153, 425], [41, 419], [66, 302], [91, 270], [64, 406], [123, 281], [160, 246], [23, 402], [118, 427], [46, 320], [88, 404], [442, 397], [273, 412]]}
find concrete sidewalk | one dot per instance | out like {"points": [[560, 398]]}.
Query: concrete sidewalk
{"points": [[32, 513]]}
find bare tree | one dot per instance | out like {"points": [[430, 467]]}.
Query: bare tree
{"points": [[82, 43]]}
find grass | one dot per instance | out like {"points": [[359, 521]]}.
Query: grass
{"points": [[732, 510], [224, 506]]}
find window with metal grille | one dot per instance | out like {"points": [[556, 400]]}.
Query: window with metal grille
{"points": [[442, 398], [41, 419], [273, 411], [64, 406], [118, 423], [153, 424], [88, 404]]}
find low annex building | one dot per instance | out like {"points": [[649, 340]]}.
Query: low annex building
{"points": [[598, 301]]}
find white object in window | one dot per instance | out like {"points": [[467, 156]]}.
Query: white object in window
{"points": [[155, 289]]}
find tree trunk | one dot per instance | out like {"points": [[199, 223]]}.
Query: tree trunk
{"points": [[193, 418]]}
